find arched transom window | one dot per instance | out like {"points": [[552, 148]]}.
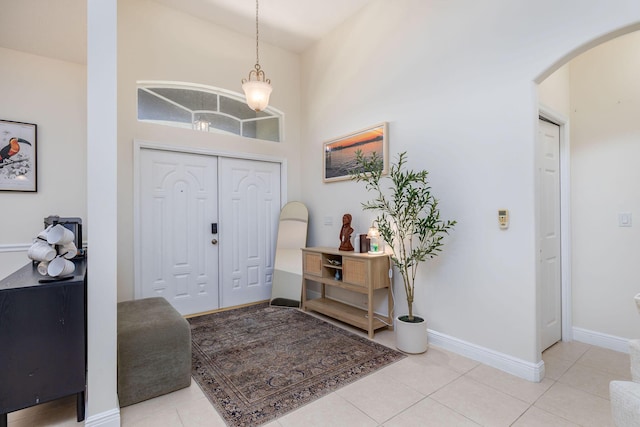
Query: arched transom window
{"points": [[206, 109]]}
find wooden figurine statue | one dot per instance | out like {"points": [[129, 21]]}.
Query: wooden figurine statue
{"points": [[345, 233]]}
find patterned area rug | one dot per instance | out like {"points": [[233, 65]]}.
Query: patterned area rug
{"points": [[257, 363]]}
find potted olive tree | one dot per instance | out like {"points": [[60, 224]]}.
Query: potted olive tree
{"points": [[409, 221]]}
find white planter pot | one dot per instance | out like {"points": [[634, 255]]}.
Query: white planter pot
{"points": [[411, 337]]}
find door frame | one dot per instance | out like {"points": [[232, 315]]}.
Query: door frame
{"points": [[565, 221], [139, 145]]}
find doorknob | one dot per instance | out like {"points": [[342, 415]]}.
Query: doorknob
{"points": [[214, 241]]}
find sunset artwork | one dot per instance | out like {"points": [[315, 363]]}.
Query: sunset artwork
{"points": [[340, 154]]}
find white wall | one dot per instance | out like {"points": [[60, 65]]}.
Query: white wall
{"points": [[51, 94], [555, 91], [605, 148], [456, 82], [159, 43]]}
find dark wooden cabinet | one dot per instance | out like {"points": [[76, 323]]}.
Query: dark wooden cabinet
{"points": [[43, 352]]}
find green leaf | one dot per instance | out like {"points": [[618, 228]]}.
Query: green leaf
{"points": [[408, 217]]}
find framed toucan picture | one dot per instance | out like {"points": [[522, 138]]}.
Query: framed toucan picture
{"points": [[18, 148]]}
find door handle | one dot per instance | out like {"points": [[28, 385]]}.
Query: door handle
{"points": [[214, 241]]}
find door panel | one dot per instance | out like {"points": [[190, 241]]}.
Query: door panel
{"points": [[178, 203], [249, 211], [550, 271]]}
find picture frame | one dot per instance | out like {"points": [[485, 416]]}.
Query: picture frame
{"points": [[18, 156], [339, 154]]}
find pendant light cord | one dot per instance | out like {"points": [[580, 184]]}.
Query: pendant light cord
{"points": [[257, 38]]}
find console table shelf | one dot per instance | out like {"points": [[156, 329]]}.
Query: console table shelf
{"points": [[360, 273], [343, 312]]}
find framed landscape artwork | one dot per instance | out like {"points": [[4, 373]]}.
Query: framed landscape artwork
{"points": [[18, 147], [339, 156]]}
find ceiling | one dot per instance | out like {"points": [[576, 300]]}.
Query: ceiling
{"points": [[291, 24], [55, 29]]}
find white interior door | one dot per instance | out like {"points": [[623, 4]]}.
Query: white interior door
{"points": [[550, 265], [249, 211], [178, 204]]}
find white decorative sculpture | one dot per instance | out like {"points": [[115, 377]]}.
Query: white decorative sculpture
{"points": [[52, 249]]}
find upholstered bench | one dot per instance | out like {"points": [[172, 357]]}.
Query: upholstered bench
{"points": [[154, 350]]}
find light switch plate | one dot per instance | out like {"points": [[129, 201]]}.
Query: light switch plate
{"points": [[624, 219]]}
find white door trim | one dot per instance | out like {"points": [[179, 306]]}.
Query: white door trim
{"points": [[565, 217], [139, 144]]}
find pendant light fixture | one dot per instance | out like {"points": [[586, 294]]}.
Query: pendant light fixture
{"points": [[257, 87], [201, 123]]}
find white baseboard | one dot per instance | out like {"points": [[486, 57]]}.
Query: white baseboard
{"points": [[104, 419], [521, 368], [601, 340]]}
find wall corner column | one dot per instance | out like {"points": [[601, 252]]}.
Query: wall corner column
{"points": [[102, 167]]}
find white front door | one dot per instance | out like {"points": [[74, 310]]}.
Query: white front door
{"points": [[178, 204], [551, 282], [249, 211]]}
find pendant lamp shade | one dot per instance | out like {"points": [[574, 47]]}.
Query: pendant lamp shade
{"points": [[257, 91]]}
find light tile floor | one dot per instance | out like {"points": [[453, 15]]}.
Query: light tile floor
{"points": [[438, 388]]}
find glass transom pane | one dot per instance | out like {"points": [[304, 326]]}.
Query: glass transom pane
{"points": [[151, 107], [267, 129], [190, 99], [173, 105]]}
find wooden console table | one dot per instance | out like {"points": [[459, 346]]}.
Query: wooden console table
{"points": [[42, 340], [356, 272]]}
